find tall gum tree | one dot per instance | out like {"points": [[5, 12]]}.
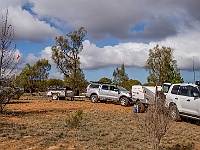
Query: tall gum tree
{"points": [[66, 56], [162, 66]]}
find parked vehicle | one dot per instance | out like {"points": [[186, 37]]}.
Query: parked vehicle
{"points": [[183, 100], [144, 96], [59, 92], [97, 91]]}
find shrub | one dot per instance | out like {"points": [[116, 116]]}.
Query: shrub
{"points": [[155, 123], [74, 120]]}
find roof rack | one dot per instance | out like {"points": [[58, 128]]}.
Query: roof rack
{"points": [[102, 82]]}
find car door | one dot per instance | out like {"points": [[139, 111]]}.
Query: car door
{"points": [[104, 91], [194, 92], [187, 101], [114, 92]]}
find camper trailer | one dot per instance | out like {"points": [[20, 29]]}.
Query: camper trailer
{"points": [[144, 95]]}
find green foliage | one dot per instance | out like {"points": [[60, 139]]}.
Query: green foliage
{"points": [[162, 66], [6, 94], [76, 81], [26, 78], [74, 121], [121, 78], [42, 68], [104, 79], [149, 84], [174, 77], [55, 82], [66, 56], [120, 75], [33, 78], [129, 83]]}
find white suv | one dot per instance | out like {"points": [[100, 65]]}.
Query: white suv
{"points": [[97, 91], [183, 100]]}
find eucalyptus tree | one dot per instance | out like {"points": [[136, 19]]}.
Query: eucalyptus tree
{"points": [[120, 75], [65, 55], [33, 78], [162, 66]]}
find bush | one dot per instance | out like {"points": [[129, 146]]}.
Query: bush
{"points": [[74, 121], [155, 122]]}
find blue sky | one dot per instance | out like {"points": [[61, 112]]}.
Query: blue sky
{"points": [[117, 32]]}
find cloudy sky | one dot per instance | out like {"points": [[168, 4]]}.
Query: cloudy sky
{"points": [[117, 32]]}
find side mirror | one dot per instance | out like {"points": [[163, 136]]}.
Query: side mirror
{"points": [[196, 94], [116, 90]]}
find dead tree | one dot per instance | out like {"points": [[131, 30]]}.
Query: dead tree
{"points": [[155, 122], [8, 58]]}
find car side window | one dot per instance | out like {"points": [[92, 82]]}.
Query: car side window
{"points": [[175, 89], [94, 86], [104, 87], [184, 90]]}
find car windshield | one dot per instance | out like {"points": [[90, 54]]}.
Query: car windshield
{"points": [[121, 88]]}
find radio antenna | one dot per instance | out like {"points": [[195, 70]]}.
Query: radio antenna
{"points": [[193, 69]]}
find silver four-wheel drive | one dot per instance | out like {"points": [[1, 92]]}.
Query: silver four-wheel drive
{"points": [[183, 100], [97, 91]]}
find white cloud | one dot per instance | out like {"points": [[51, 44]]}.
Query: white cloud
{"points": [[137, 25], [161, 19], [47, 53], [185, 45], [132, 54], [27, 26], [56, 75], [31, 59]]}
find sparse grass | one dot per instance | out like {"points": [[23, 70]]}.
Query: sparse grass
{"points": [[103, 126]]}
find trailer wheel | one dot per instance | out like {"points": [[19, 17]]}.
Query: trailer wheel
{"points": [[54, 96], [140, 107], [61, 98]]}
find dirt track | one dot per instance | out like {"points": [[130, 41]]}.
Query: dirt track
{"points": [[41, 124]]}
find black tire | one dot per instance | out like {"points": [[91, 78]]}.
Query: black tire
{"points": [[124, 101], [61, 98], [94, 98], [54, 96], [140, 107], [174, 113]]}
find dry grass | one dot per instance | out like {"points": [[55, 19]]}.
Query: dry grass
{"points": [[41, 124]]}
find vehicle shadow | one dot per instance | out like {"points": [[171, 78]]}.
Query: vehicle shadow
{"points": [[191, 121]]}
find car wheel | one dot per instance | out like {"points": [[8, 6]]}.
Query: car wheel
{"points": [[124, 101], [54, 96], [140, 107], [94, 98], [174, 113]]}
